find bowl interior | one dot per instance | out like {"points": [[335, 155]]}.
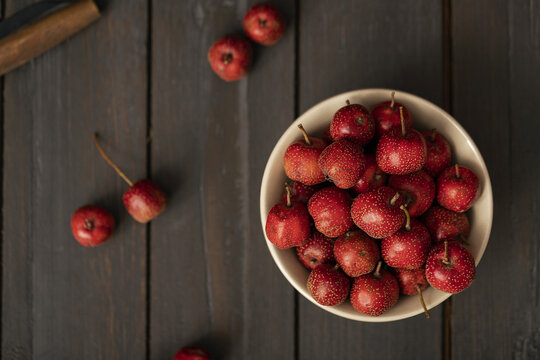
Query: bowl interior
{"points": [[426, 116]]}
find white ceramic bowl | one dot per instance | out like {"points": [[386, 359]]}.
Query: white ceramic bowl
{"points": [[426, 116]]}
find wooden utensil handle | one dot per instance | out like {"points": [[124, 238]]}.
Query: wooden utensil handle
{"points": [[32, 40]]}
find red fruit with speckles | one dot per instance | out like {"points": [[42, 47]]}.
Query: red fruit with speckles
{"points": [[331, 211], [378, 212], [386, 117], [300, 192], [412, 282], [372, 177], [230, 57], [356, 253], [192, 353], [418, 190], [373, 294], [444, 224], [318, 249], [353, 123], [300, 160], [343, 163], [288, 224], [328, 285], [92, 225], [457, 188], [450, 270], [401, 153], [264, 24], [439, 154], [144, 201], [408, 247]]}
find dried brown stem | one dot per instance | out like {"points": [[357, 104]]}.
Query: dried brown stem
{"points": [[306, 137], [407, 216], [110, 162], [422, 300]]}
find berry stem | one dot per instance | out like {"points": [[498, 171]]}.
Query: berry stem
{"points": [[394, 199], [377, 272], [393, 100], [336, 266], [445, 258], [408, 218], [433, 133], [458, 175], [110, 162], [288, 190], [403, 132], [422, 300], [306, 137], [347, 102]]}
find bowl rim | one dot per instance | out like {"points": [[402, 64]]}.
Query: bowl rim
{"points": [[265, 183]]}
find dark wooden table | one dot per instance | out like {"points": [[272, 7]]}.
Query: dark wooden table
{"points": [[201, 273]]}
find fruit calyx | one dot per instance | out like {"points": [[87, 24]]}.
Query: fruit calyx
{"points": [[306, 137], [227, 58], [110, 162], [262, 22], [407, 216], [419, 291], [88, 224], [377, 272]]}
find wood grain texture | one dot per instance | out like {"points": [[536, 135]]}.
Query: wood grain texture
{"points": [[496, 56], [361, 44], [25, 44], [213, 282], [60, 300]]}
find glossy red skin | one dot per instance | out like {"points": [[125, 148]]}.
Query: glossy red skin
{"points": [[418, 189], [92, 225], [343, 163], [300, 192], [399, 154], [318, 249], [144, 201], [387, 118], [457, 194], [372, 212], [444, 224], [373, 296], [354, 123], [452, 278], [409, 280], [300, 161], [231, 45], [439, 154], [407, 249], [372, 177], [356, 253], [286, 226], [328, 286], [192, 353], [331, 211], [264, 24]]}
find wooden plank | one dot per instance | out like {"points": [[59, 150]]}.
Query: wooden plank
{"points": [[60, 300], [361, 44], [213, 281], [496, 56]]}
